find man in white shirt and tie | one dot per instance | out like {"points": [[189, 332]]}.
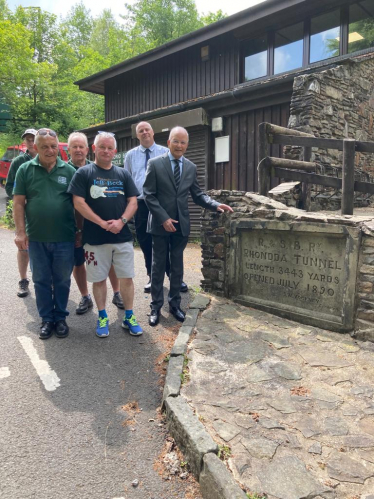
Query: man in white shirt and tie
{"points": [[136, 164]]}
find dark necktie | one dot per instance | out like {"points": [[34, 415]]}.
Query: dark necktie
{"points": [[177, 173], [147, 155]]}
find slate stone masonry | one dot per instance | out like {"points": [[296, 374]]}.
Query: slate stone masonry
{"points": [[336, 103], [217, 254]]}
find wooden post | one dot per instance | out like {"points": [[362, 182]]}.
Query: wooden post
{"points": [[306, 188], [348, 179], [263, 152]]}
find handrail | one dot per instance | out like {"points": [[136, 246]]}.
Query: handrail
{"points": [[268, 166]]}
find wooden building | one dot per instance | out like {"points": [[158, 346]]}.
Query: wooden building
{"points": [[222, 80]]}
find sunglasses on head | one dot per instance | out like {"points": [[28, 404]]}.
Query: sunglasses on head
{"points": [[109, 133], [46, 131]]}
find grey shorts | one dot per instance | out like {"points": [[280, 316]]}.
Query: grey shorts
{"points": [[101, 257]]}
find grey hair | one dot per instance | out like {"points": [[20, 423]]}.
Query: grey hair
{"points": [[105, 135], [77, 135], [177, 129], [39, 137]]}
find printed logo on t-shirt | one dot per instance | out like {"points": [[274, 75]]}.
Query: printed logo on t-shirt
{"points": [[62, 180], [106, 188]]}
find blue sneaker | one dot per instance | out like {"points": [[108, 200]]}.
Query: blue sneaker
{"points": [[132, 325], [102, 328]]}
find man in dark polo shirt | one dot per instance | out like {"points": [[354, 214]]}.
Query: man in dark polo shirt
{"points": [[78, 150], [40, 193], [22, 255], [106, 196]]}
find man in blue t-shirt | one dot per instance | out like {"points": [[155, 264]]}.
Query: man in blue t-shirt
{"points": [[106, 197]]}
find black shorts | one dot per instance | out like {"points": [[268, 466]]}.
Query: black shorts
{"points": [[79, 256]]}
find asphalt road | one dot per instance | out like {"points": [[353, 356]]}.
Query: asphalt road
{"points": [[66, 431]]}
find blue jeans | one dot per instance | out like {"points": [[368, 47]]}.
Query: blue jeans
{"points": [[52, 265]]}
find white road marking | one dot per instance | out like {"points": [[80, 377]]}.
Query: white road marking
{"points": [[49, 378], [4, 372]]}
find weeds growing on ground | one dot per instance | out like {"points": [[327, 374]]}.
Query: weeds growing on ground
{"points": [[7, 218]]}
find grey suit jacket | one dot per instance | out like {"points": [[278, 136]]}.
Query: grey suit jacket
{"points": [[165, 201]]}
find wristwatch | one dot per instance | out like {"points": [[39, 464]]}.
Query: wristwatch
{"points": [[124, 220]]}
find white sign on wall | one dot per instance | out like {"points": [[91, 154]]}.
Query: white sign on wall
{"points": [[222, 149]]}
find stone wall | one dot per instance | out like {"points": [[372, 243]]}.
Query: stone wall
{"points": [[336, 103], [217, 253]]}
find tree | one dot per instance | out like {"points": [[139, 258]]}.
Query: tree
{"points": [[151, 23]]}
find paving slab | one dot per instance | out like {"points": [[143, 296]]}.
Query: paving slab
{"points": [[293, 404]]}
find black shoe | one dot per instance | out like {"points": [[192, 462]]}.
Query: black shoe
{"points": [[147, 287], [46, 330], [23, 288], [178, 313], [85, 303], [62, 329], [184, 287], [117, 301], [154, 318]]}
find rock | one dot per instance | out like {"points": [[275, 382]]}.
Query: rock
{"points": [[255, 375], [135, 483], [274, 339], [296, 483], [343, 468], [367, 425], [319, 358], [358, 441], [287, 371], [270, 424], [336, 426], [260, 447], [283, 405], [200, 302], [308, 427], [316, 448], [225, 430]]}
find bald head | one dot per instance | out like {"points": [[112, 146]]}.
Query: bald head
{"points": [[145, 134]]}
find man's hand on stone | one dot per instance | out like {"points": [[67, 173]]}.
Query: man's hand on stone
{"points": [[22, 241], [224, 207], [168, 225], [115, 226]]}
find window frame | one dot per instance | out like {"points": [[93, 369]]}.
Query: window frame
{"points": [[270, 34]]}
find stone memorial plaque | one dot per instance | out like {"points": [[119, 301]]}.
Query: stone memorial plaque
{"points": [[301, 271]]}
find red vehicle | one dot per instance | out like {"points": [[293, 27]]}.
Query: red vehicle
{"points": [[14, 151]]}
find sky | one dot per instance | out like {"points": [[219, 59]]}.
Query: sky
{"points": [[117, 6]]}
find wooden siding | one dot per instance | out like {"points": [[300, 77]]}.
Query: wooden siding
{"points": [[176, 78], [240, 173]]}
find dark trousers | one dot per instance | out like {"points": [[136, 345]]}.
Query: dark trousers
{"points": [[52, 265], [161, 244], [145, 239]]}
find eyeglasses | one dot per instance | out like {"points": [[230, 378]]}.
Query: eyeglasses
{"points": [[108, 133], [46, 131]]}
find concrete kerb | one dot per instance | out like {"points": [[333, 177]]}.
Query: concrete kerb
{"points": [[197, 445]]}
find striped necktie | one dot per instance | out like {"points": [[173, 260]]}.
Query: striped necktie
{"points": [[147, 155], [177, 173]]}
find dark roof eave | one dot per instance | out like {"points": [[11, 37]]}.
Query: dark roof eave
{"points": [[237, 20]]}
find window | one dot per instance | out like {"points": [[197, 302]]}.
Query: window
{"points": [[361, 26], [325, 36], [288, 48], [255, 58]]}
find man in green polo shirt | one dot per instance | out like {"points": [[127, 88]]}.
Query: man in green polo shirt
{"points": [[40, 193], [22, 255]]}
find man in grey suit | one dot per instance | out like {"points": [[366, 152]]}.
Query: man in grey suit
{"points": [[169, 179]]}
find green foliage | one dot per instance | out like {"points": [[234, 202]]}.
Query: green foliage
{"points": [[224, 452], [42, 56], [255, 496], [7, 218]]}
